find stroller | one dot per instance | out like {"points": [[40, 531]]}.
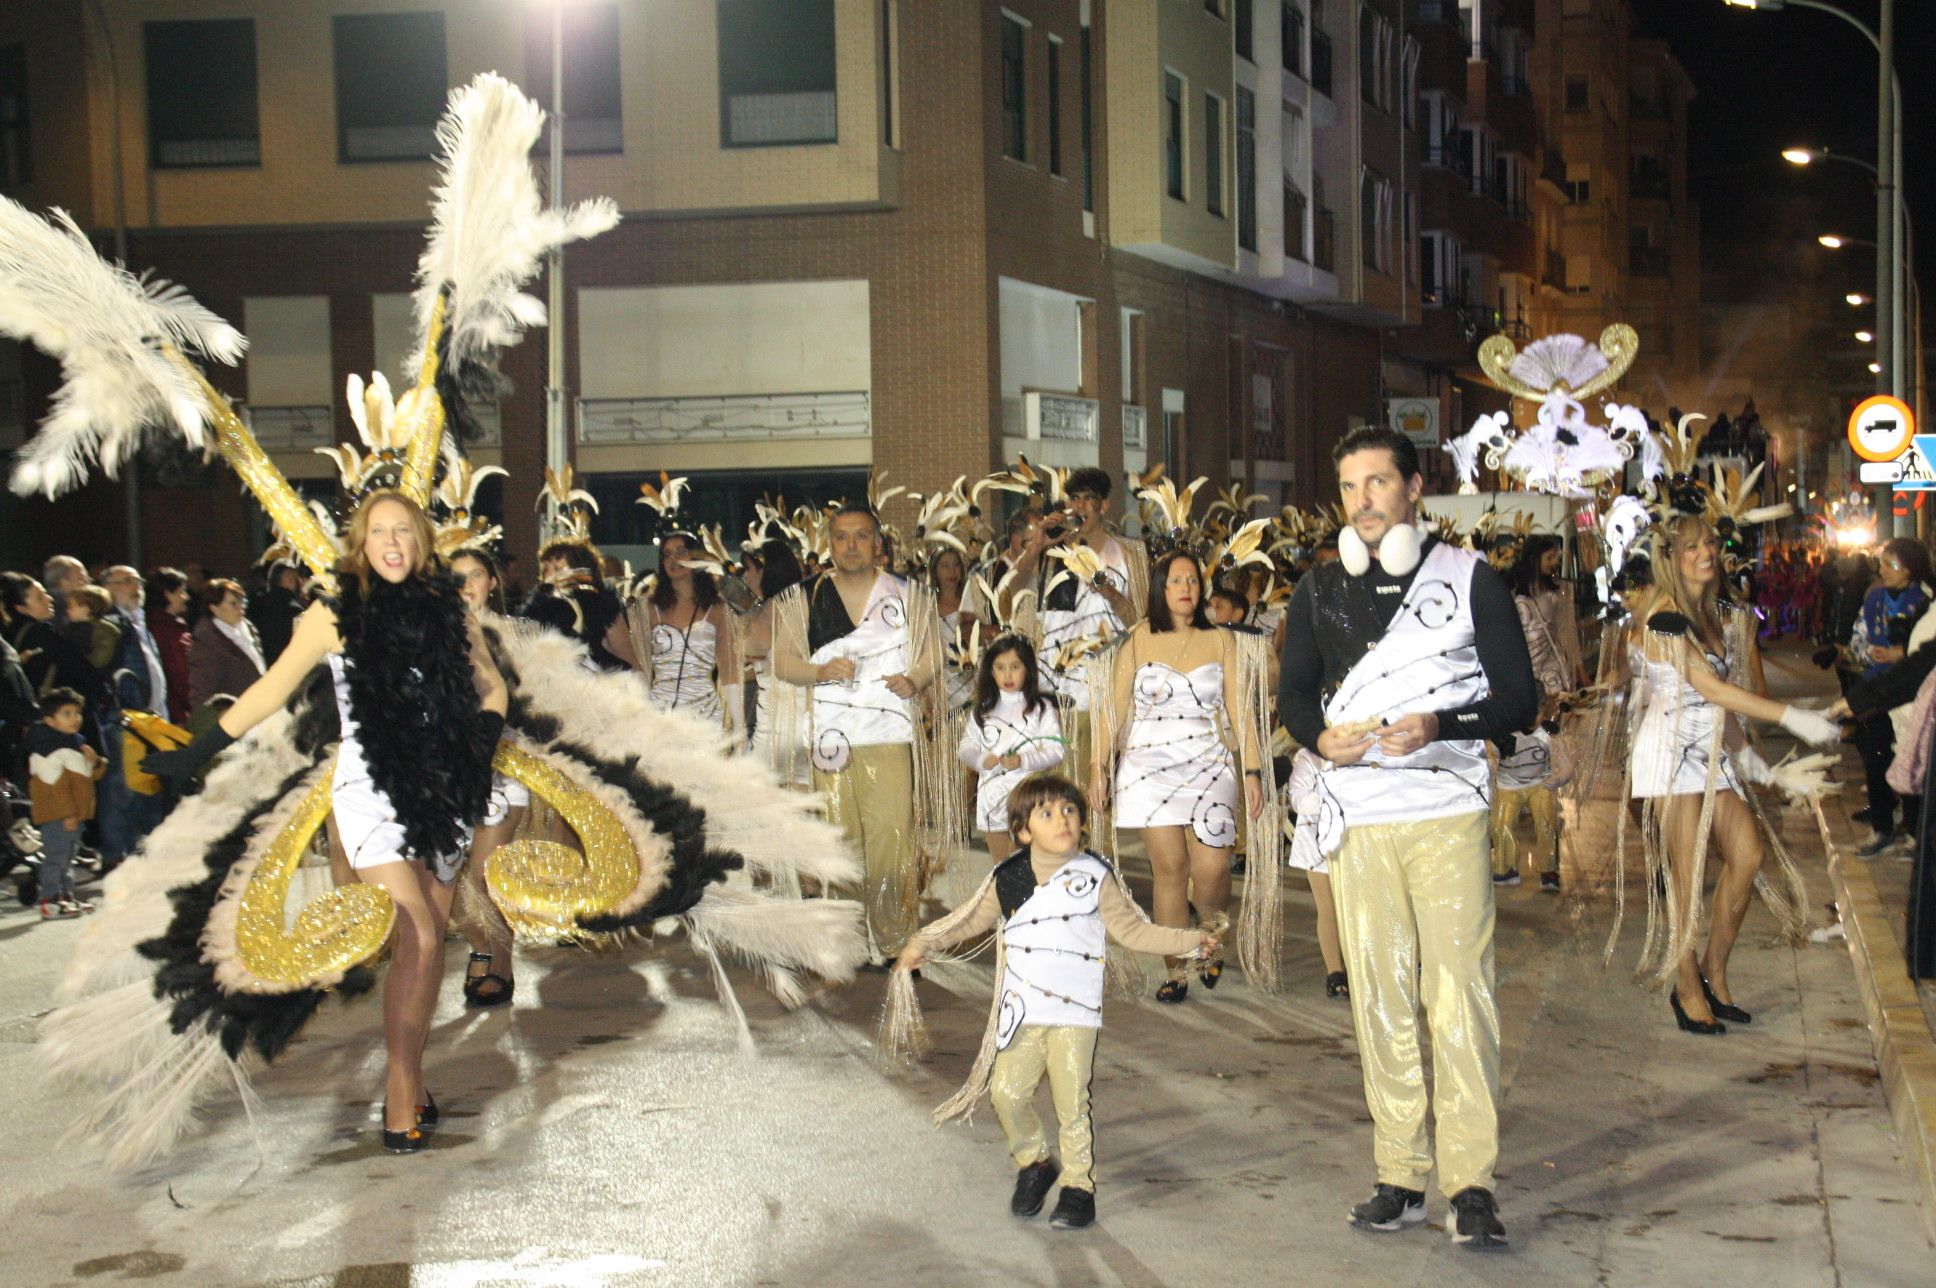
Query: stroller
{"points": [[19, 843]]}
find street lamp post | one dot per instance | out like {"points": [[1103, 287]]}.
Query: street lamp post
{"points": [[1888, 175], [557, 447]]}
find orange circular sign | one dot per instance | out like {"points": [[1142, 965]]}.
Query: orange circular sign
{"points": [[1880, 428]]}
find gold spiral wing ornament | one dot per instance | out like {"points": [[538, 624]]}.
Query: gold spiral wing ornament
{"points": [[332, 933], [544, 888], [1621, 345], [265, 482], [1496, 356], [427, 442]]}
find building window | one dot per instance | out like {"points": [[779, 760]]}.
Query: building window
{"points": [[591, 52], [390, 85], [1368, 55], [16, 161], [889, 34], [1244, 31], [1291, 37], [1055, 106], [1087, 125], [1294, 206], [201, 93], [1576, 95], [1014, 88], [1213, 153], [776, 73], [1246, 168], [1173, 135]]}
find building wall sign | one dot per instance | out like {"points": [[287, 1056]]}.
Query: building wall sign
{"points": [[742, 418]]}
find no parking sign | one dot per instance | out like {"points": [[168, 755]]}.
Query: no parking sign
{"points": [[1882, 431]]}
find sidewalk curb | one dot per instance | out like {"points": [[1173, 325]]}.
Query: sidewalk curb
{"points": [[1905, 1051]]}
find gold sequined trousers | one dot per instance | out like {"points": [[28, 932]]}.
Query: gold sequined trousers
{"points": [[1415, 919], [1543, 803], [872, 801], [1067, 1053]]}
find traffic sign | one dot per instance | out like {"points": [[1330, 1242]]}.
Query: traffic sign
{"points": [[1880, 428], [1918, 465]]}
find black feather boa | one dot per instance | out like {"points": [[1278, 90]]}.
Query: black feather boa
{"points": [[423, 734]]}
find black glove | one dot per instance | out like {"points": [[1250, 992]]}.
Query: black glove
{"points": [[177, 767]]}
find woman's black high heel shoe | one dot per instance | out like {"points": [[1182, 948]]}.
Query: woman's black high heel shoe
{"points": [[1706, 1028], [408, 1141], [1172, 990], [1211, 973], [427, 1112], [1724, 1010]]}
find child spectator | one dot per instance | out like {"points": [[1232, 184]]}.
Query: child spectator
{"points": [[61, 772], [87, 625], [1227, 606]]}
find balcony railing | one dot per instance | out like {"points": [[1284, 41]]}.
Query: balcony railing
{"points": [[1321, 62], [1438, 11], [1449, 156], [1516, 210], [1324, 236]]}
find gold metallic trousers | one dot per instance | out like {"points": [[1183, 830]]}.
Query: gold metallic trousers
{"points": [[1067, 1054], [1543, 804], [1415, 919], [872, 801]]}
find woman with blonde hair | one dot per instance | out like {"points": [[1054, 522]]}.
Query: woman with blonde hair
{"points": [[1687, 768], [421, 706]]}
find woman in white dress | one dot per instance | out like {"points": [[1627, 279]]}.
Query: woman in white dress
{"points": [[1687, 763], [682, 638], [488, 978], [1174, 727], [1013, 730], [421, 706]]}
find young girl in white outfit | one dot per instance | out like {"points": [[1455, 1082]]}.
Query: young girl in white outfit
{"points": [[1013, 731]]}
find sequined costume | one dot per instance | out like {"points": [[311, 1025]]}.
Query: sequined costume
{"points": [[1175, 770], [1008, 729], [682, 664]]}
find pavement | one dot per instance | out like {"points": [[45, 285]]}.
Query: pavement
{"points": [[605, 1129]]}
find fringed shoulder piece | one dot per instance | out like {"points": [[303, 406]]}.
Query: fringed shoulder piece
{"points": [[1260, 922], [1137, 556]]}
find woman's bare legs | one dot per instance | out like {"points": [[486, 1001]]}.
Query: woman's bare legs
{"points": [[477, 918], [1739, 841], [1169, 858], [1680, 828], [1327, 922], [416, 970]]}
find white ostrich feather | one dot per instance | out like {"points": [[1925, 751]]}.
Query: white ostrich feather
{"points": [[111, 331], [1625, 520], [1558, 359], [490, 231]]}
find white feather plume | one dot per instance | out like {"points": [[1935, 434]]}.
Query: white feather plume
{"points": [[490, 231], [110, 330], [1558, 360]]}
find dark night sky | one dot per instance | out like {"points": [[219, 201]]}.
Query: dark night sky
{"points": [[1765, 81]]}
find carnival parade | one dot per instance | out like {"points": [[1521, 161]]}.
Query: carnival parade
{"points": [[1500, 856]]}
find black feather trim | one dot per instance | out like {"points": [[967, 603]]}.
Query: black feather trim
{"points": [[407, 652], [263, 1022], [1669, 623]]}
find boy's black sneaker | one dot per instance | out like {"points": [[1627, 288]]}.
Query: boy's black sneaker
{"points": [[1031, 1187], [1390, 1207], [1337, 984], [1075, 1209], [1475, 1221], [1550, 881]]}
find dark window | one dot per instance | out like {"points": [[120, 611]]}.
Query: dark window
{"points": [[887, 38], [591, 49], [1088, 127], [1173, 135], [1576, 93], [1367, 57], [1213, 154], [1291, 37], [16, 161], [1243, 30], [1214, 6], [1014, 89], [776, 73], [1428, 269], [1293, 221], [1368, 219], [201, 93], [1246, 167], [1055, 107], [390, 85], [1320, 60]]}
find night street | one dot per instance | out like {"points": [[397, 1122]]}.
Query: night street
{"points": [[605, 1131]]}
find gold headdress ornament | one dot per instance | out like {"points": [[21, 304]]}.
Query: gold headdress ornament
{"points": [[1298, 532], [1563, 364], [567, 510], [1044, 482], [664, 497], [1232, 506], [945, 520], [455, 512]]}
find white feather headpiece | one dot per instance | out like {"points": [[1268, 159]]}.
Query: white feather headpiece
{"points": [[111, 331]]}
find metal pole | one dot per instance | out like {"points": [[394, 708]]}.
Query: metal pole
{"points": [[1888, 269], [131, 490], [557, 450]]}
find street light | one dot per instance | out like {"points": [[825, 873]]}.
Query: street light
{"points": [[1834, 242], [1867, 337], [1856, 299], [1875, 368], [1797, 156]]}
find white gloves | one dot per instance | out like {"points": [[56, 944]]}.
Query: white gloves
{"points": [[1753, 767], [1810, 726]]}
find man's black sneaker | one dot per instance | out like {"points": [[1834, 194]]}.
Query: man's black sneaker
{"points": [[1390, 1207], [1506, 878], [1550, 881], [1031, 1187], [1475, 1222], [1337, 984], [1877, 845], [1075, 1209]]}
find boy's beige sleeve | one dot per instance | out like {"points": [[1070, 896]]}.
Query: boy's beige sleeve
{"points": [[987, 909], [1128, 926]]}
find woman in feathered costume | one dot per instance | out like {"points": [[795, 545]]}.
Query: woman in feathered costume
{"points": [[198, 961]]}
